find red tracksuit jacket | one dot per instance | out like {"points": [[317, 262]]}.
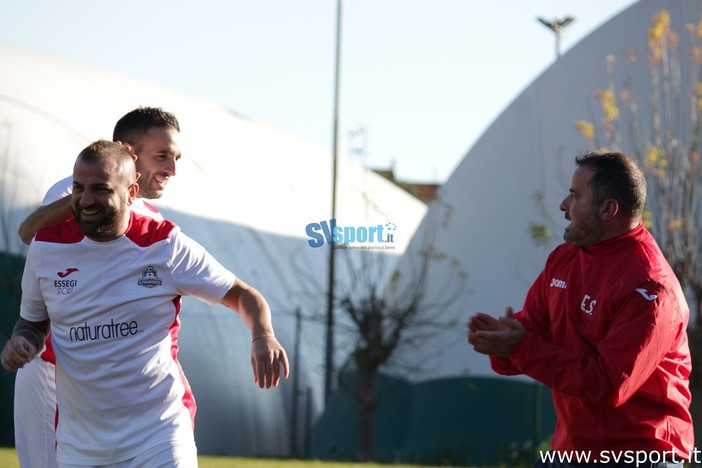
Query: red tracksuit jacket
{"points": [[606, 331]]}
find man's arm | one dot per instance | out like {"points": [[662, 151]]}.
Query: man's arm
{"points": [[26, 341], [637, 341], [45, 215], [267, 354]]}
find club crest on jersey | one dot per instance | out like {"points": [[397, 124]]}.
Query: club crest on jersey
{"points": [[149, 278]]}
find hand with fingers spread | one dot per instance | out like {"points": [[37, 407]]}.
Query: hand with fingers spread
{"points": [[267, 358]]}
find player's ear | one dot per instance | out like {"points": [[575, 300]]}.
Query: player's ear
{"points": [[130, 149], [609, 209], [133, 192]]}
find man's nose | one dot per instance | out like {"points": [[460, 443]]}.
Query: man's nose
{"points": [[564, 205], [171, 167], [86, 199]]}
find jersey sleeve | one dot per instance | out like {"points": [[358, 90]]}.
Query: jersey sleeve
{"points": [[32, 305], [59, 190], [646, 327], [196, 272]]}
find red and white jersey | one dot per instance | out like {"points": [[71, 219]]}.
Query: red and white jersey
{"points": [[112, 306], [64, 187]]}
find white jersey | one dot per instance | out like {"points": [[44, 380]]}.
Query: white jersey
{"points": [[35, 388], [112, 304], [64, 187]]}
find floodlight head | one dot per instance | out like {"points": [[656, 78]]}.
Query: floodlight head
{"points": [[556, 26]]}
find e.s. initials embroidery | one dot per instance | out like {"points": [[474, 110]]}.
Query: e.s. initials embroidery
{"points": [[588, 304]]}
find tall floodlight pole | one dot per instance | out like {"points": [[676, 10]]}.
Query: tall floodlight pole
{"points": [[329, 365], [557, 26]]}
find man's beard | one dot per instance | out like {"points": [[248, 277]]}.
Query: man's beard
{"points": [[585, 235], [105, 228], [146, 180]]}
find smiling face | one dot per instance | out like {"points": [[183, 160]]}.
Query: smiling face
{"points": [[102, 193], [586, 227], [156, 160]]}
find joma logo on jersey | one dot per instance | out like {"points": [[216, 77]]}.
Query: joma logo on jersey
{"points": [[149, 278], [68, 271], [556, 283], [65, 287]]}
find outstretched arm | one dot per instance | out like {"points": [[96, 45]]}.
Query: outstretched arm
{"points": [[45, 215], [26, 341], [267, 354]]}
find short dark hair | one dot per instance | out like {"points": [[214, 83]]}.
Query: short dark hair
{"points": [[616, 176], [102, 150], [132, 127]]}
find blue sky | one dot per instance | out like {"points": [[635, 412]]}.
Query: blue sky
{"points": [[420, 79]]}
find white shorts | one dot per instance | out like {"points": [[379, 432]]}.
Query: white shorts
{"points": [[168, 455], [35, 414]]}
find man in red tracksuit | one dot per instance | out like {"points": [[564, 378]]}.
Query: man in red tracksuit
{"points": [[604, 326]]}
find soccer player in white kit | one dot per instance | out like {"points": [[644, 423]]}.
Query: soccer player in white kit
{"points": [[109, 282], [152, 134]]}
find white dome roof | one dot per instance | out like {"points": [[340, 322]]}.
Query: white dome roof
{"points": [[244, 190], [520, 170]]}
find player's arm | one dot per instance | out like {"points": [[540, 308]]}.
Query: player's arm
{"points": [[26, 341], [45, 215], [267, 354], [638, 338]]}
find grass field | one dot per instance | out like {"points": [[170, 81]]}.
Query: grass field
{"points": [[8, 459]]}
